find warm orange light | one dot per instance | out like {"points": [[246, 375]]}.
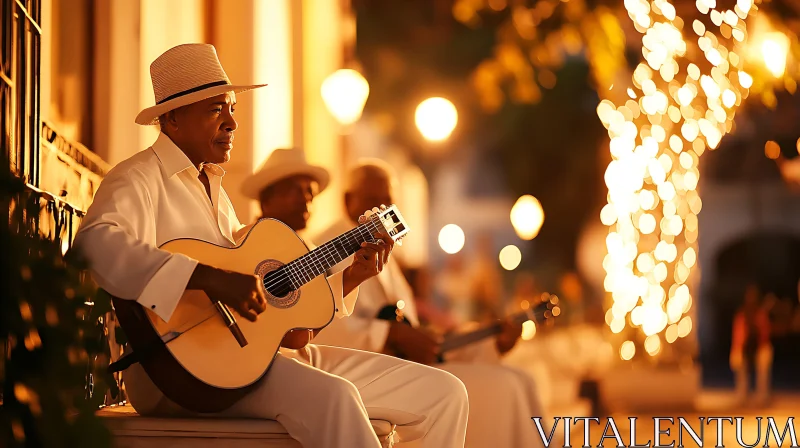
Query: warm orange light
{"points": [[436, 118], [528, 330], [451, 239], [681, 111], [774, 50], [627, 350], [345, 93], [510, 257], [772, 150], [527, 217]]}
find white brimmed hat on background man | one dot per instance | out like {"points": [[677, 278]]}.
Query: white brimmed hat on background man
{"points": [[184, 75], [283, 163]]}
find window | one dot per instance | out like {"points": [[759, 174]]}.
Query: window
{"points": [[19, 85]]}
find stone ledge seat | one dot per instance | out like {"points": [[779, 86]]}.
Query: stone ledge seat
{"points": [[132, 430]]}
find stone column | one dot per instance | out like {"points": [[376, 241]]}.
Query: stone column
{"points": [[117, 80], [322, 55]]}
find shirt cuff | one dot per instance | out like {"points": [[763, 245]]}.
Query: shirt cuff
{"points": [[344, 305], [165, 288]]}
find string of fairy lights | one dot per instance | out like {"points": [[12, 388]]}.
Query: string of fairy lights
{"points": [[675, 110], [700, 61]]}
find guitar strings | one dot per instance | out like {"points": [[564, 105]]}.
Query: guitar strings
{"points": [[326, 250], [330, 249], [297, 268]]}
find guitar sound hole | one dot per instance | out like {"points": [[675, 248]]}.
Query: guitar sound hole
{"points": [[277, 285]]}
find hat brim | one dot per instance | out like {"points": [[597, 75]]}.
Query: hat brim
{"points": [[257, 182], [149, 116]]}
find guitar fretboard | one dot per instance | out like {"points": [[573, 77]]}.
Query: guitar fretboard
{"points": [[328, 255], [460, 340]]}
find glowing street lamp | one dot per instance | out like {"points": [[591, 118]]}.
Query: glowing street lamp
{"points": [[345, 93], [527, 217], [436, 118]]}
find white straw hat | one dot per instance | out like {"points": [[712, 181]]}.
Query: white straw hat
{"points": [[184, 75], [283, 163]]}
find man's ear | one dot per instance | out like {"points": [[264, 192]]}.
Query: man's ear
{"points": [[171, 119]]}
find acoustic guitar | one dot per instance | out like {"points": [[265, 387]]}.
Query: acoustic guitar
{"points": [[544, 311], [203, 358]]}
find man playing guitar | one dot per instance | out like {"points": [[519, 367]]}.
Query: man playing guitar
{"points": [[323, 396]]}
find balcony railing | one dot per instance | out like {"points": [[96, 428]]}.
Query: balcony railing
{"points": [[70, 176]]}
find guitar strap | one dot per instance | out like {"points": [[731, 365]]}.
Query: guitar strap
{"points": [[132, 358], [123, 363]]}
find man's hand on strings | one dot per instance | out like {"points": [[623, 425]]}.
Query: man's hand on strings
{"points": [[370, 259]]}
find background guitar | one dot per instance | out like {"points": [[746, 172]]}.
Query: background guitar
{"points": [[538, 313]]}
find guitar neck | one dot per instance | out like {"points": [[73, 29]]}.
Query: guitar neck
{"points": [[293, 275], [461, 340], [328, 255]]}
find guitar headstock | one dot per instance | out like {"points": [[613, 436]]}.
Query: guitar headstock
{"points": [[544, 309], [390, 219]]}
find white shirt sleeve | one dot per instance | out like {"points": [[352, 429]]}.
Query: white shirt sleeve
{"points": [[118, 240], [344, 304]]}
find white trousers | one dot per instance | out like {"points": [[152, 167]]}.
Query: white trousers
{"points": [[324, 397], [502, 399], [502, 402]]}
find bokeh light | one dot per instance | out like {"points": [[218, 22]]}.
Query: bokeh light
{"points": [[685, 109], [528, 330], [652, 345], [774, 50], [510, 257], [527, 217], [627, 350], [345, 93], [772, 150], [451, 239], [436, 118]]}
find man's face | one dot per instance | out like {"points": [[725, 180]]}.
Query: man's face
{"points": [[204, 130], [288, 201], [374, 191]]}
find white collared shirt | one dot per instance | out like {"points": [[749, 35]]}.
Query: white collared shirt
{"points": [[147, 200]]}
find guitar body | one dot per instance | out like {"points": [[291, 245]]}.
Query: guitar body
{"points": [[205, 369]]}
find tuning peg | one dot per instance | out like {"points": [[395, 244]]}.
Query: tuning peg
{"points": [[375, 210], [399, 242], [362, 219], [383, 207]]}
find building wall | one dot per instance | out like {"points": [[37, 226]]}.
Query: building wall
{"points": [[290, 45]]}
